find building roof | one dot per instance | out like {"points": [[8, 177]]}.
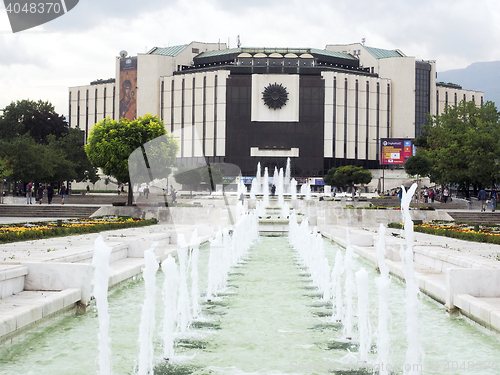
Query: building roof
{"points": [[324, 52], [168, 51], [271, 50], [379, 53]]}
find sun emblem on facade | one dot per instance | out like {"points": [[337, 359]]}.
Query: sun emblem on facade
{"points": [[275, 96]]}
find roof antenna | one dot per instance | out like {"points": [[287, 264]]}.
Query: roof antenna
{"points": [[238, 43], [363, 40]]}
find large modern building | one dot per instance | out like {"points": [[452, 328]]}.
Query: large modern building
{"points": [[320, 107]]}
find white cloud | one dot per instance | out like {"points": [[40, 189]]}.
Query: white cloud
{"points": [[81, 46]]}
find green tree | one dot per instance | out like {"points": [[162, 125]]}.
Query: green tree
{"points": [[41, 144], [419, 164], [189, 176], [462, 145], [110, 143], [348, 175], [31, 161], [19, 117], [211, 176], [5, 172]]}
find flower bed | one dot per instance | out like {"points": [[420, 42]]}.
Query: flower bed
{"points": [[462, 231], [59, 228]]}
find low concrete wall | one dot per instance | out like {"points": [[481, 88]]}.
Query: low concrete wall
{"points": [[331, 213], [52, 276], [12, 279], [476, 282], [211, 214]]}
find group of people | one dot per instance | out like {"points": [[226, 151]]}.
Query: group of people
{"points": [[173, 193], [144, 190], [492, 196], [437, 194], [37, 193]]}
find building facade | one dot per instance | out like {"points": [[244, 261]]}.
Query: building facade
{"points": [[323, 108]]}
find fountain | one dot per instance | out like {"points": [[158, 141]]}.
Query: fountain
{"points": [[265, 187], [147, 326], [100, 262], [270, 306], [293, 187], [414, 353], [338, 270], [363, 318], [183, 303], [170, 290], [280, 188], [349, 288], [288, 177], [195, 293], [383, 287]]}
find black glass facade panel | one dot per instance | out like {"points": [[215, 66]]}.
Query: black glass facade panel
{"points": [[307, 134], [422, 95]]}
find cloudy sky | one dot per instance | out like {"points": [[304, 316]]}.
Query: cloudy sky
{"points": [[79, 47]]}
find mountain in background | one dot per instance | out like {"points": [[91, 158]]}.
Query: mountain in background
{"points": [[480, 76]]}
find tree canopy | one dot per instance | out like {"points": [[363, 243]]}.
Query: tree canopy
{"points": [[41, 146], [461, 145], [192, 176], [111, 142], [348, 175]]}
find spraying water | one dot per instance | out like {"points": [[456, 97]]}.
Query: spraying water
{"points": [[265, 187], [288, 176], [147, 325], [258, 180], [280, 188], [383, 285], [349, 287], [100, 262], [414, 353], [293, 188], [338, 270], [285, 210], [195, 292], [183, 303], [363, 315], [170, 291]]}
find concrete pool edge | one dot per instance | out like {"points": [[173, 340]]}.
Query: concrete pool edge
{"points": [[441, 272]]}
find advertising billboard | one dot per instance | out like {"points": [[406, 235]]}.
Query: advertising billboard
{"points": [[395, 151], [128, 87]]}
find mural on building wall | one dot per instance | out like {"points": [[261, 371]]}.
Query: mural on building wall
{"points": [[128, 87]]}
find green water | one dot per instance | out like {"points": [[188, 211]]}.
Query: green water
{"points": [[269, 321]]}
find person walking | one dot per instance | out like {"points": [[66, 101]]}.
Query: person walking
{"points": [[50, 193], [273, 190], [173, 194], [400, 194], [446, 194], [482, 197], [493, 199], [146, 192], [62, 192], [29, 192], [40, 193]]}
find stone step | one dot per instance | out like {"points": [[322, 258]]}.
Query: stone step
{"points": [[476, 217], [47, 211]]}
